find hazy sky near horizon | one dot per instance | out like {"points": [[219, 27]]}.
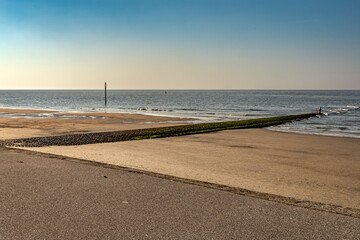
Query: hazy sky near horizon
{"points": [[180, 44]]}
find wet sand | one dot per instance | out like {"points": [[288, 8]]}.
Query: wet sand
{"points": [[315, 168], [14, 128]]}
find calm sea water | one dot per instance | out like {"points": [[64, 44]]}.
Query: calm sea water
{"points": [[341, 108]]}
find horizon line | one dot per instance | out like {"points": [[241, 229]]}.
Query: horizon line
{"points": [[176, 89]]}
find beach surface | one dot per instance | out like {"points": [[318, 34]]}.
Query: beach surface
{"points": [[32, 123], [307, 167], [52, 198]]}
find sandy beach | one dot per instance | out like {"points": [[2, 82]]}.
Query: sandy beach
{"points": [[14, 128], [306, 167]]}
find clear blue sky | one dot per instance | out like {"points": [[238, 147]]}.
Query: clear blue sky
{"points": [[180, 44]]}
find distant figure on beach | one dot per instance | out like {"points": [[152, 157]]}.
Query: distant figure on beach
{"points": [[319, 110], [165, 92]]}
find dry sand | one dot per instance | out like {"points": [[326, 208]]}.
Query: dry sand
{"points": [[316, 168], [14, 128]]}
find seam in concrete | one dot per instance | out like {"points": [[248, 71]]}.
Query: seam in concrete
{"points": [[346, 211]]}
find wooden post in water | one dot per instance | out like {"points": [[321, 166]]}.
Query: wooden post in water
{"points": [[105, 95]]}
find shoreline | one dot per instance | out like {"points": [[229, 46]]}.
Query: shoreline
{"points": [[104, 110], [313, 134], [152, 120]]}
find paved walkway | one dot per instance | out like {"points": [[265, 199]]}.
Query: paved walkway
{"points": [[49, 198]]}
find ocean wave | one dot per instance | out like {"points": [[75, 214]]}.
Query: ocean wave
{"points": [[354, 107], [47, 116], [321, 133], [341, 110]]}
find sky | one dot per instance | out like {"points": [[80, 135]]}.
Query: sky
{"points": [[180, 44]]}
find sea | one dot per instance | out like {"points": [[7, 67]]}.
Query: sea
{"points": [[340, 108]]}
